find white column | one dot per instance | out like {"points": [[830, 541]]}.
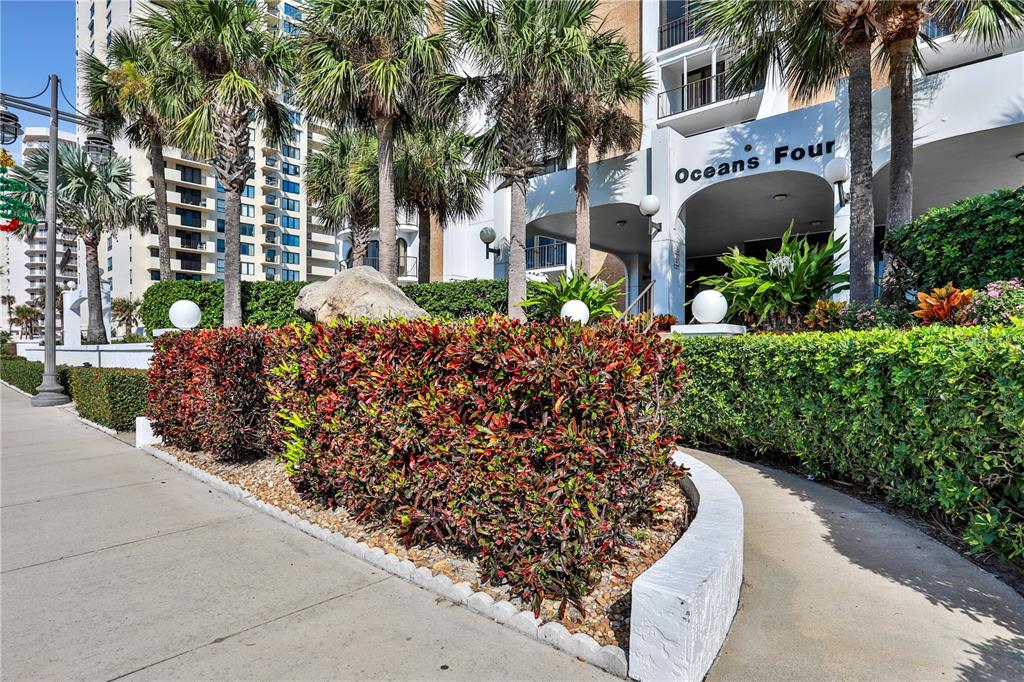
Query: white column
{"points": [[668, 269], [841, 228], [632, 263]]}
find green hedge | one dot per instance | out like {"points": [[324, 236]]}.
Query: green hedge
{"points": [[264, 303], [110, 396], [930, 419], [27, 375], [466, 298], [971, 242]]}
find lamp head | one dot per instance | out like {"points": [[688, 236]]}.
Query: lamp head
{"points": [[9, 128], [99, 148], [837, 170], [650, 205], [184, 314], [488, 235]]}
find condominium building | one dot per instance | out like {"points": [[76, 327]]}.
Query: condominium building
{"points": [[24, 260]]}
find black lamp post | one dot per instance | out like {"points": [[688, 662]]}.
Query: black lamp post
{"points": [[487, 236], [99, 148]]}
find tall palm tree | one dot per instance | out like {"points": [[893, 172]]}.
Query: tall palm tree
{"points": [[341, 183], [437, 179], [370, 59], [814, 45], [239, 63], [124, 312], [521, 52], [26, 317], [987, 22], [141, 92], [8, 302], [92, 200], [591, 115]]}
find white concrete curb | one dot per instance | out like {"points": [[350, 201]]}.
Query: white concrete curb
{"points": [[610, 658], [15, 388], [684, 604]]}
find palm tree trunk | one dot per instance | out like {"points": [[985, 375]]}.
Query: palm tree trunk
{"points": [[360, 242], [517, 250], [423, 269], [901, 154], [156, 160], [232, 257], [583, 208], [862, 207], [96, 332], [388, 227]]}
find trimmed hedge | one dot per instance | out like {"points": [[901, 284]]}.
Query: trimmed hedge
{"points": [[536, 447], [263, 303], [208, 391], [971, 242], [465, 298], [27, 374], [930, 419], [113, 397]]}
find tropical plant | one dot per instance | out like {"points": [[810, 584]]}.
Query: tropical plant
{"points": [[780, 288], [92, 200], [549, 297], [814, 44], [997, 303], [826, 316], [141, 91], [943, 304], [522, 53], [366, 60], [436, 178], [124, 312], [239, 63], [591, 114], [26, 317], [341, 183], [8, 301]]}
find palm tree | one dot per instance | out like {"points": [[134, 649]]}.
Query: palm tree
{"points": [[92, 200], [141, 92], [8, 302], [814, 45], [239, 63], [591, 115], [367, 59], [988, 22], [26, 317], [522, 52], [341, 183], [436, 179], [124, 312]]}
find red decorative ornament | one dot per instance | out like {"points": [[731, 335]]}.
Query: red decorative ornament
{"points": [[11, 226]]}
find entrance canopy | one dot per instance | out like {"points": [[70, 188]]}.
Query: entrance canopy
{"points": [[615, 228]]}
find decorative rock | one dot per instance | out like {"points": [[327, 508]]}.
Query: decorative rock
{"points": [[359, 292], [525, 622], [554, 634], [391, 563], [458, 593], [405, 569], [612, 659], [360, 550], [439, 583], [480, 602], [584, 646], [422, 576], [375, 555], [503, 611]]}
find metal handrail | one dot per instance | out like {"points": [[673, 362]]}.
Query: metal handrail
{"points": [[677, 31], [642, 302], [546, 256], [697, 94]]}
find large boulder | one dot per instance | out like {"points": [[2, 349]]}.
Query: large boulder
{"points": [[359, 292]]}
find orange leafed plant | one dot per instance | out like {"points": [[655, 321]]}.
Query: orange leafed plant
{"points": [[944, 304]]}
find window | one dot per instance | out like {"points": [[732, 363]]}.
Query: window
{"points": [[188, 278], [271, 273], [252, 152], [190, 174], [110, 264], [271, 255], [248, 210], [289, 204], [290, 186], [249, 191], [270, 199], [220, 266], [247, 229], [290, 151], [290, 222], [220, 205], [271, 236], [189, 218], [290, 240], [290, 257], [220, 246], [289, 275], [289, 168], [293, 116], [289, 28], [220, 224], [246, 249], [403, 260], [220, 187], [154, 253], [190, 196], [110, 242], [154, 275], [248, 269], [292, 11]]}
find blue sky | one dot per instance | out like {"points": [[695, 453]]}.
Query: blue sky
{"points": [[37, 38]]}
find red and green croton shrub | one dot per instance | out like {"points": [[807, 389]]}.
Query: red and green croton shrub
{"points": [[208, 391], [535, 447]]}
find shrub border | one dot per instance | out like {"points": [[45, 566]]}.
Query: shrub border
{"points": [[610, 658]]}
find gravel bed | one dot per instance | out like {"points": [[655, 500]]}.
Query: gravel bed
{"points": [[607, 606]]}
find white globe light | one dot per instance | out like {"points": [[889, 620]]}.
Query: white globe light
{"points": [[837, 170], [709, 307], [184, 314], [650, 205], [576, 310]]}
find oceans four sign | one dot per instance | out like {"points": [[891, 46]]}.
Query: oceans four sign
{"points": [[781, 154]]}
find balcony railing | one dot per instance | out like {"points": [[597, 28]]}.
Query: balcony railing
{"points": [[546, 256], [933, 29], [697, 94], [676, 32], [406, 266]]}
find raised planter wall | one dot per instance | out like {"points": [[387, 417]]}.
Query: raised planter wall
{"points": [[127, 355]]}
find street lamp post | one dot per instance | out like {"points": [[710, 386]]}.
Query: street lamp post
{"points": [[50, 392]]}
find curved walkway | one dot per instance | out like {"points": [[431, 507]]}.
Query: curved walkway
{"points": [[115, 564], [835, 589]]}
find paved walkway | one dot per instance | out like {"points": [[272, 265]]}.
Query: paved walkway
{"points": [[835, 589], [115, 564]]}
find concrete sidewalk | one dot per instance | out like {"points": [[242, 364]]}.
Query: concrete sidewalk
{"points": [[114, 564], [835, 589]]}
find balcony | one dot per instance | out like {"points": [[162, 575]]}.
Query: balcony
{"points": [[192, 266], [406, 267], [546, 256], [207, 224], [706, 104], [677, 32], [270, 162], [321, 271], [322, 238], [173, 175], [176, 199], [271, 183], [321, 254], [197, 245]]}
